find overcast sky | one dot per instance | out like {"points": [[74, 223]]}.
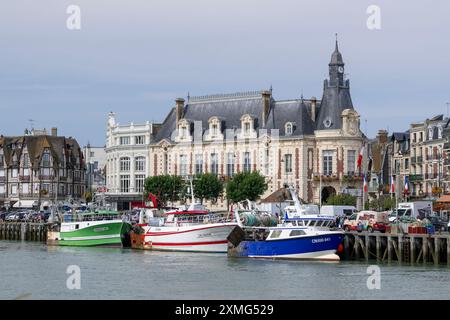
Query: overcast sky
{"points": [[135, 57]]}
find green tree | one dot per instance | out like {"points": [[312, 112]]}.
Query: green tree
{"points": [[246, 185], [382, 203], [207, 186], [342, 200], [166, 188]]}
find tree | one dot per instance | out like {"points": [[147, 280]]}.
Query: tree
{"points": [[207, 186], [246, 185], [166, 188], [382, 203], [341, 200]]}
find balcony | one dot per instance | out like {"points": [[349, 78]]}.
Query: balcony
{"points": [[24, 178], [415, 177]]}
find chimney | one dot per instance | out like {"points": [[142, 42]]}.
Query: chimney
{"points": [[266, 95], [313, 108], [382, 136], [54, 132], [179, 108]]}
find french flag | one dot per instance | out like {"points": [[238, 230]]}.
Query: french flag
{"points": [[365, 184], [406, 185], [360, 157], [392, 184]]}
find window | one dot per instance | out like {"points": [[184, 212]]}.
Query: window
{"points": [[14, 189], [406, 164], [2, 188], [275, 234], [92, 154], [198, 164], [288, 163], [288, 129], [247, 128], [183, 165], [125, 183], [125, 164], [139, 140], [139, 183], [327, 162], [214, 130], [166, 163], [247, 164], [297, 233], [351, 160], [14, 173], [214, 163], [266, 162], [140, 164], [2, 172], [2, 161], [26, 161], [124, 140], [230, 164], [46, 159], [25, 188]]}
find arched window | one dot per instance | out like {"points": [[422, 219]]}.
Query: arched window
{"points": [[140, 164], [289, 129], [125, 164]]}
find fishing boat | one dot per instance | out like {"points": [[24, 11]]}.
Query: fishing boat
{"points": [[190, 228], [302, 234], [96, 228]]}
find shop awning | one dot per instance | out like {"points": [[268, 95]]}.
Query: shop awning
{"points": [[444, 198], [25, 204]]}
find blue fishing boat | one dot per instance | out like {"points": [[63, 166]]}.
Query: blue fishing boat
{"points": [[302, 234]]}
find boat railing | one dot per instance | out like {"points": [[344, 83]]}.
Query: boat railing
{"points": [[90, 217], [199, 219]]}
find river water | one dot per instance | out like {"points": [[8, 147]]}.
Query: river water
{"points": [[34, 271]]}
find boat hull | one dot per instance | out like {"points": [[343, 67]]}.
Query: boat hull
{"points": [[198, 238], [109, 233], [309, 247]]}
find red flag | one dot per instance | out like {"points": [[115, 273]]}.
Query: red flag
{"points": [[360, 157], [392, 184]]}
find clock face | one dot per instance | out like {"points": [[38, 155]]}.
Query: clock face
{"points": [[341, 70]]}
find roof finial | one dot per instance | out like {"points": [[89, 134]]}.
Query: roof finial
{"points": [[336, 35], [188, 96], [270, 88]]}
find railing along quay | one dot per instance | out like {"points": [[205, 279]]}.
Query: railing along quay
{"points": [[400, 247], [24, 231]]}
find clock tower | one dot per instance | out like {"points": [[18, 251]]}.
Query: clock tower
{"points": [[336, 94], [336, 68]]}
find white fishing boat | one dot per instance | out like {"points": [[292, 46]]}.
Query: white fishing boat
{"points": [[192, 228]]}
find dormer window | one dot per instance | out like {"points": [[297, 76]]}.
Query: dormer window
{"points": [[215, 129], [184, 130], [247, 128], [430, 133], [439, 132], [289, 128]]}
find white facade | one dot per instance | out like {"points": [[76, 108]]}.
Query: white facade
{"points": [[127, 160]]}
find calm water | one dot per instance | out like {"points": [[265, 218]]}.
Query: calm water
{"points": [[35, 271]]}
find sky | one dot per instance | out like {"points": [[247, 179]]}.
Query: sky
{"points": [[136, 57]]}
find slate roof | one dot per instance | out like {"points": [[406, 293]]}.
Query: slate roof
{"points": [[229, 108], [60, 148]]}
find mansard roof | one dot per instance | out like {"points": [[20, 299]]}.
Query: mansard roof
{"points": [[230, 108], [294, 111]]}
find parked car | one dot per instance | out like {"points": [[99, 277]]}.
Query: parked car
{"points": [[3, 216], [15, 216], [367, 220]]}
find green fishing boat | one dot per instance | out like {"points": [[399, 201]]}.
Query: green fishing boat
{"points": [[99, 228]]}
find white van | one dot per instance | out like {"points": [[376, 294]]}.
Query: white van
{"points": [[341, 211], [418, 209]]}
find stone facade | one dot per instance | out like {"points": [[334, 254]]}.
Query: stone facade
{"points": [[311, 143]]}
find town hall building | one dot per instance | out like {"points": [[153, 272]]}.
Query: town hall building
{"points": [[310, 143]]}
